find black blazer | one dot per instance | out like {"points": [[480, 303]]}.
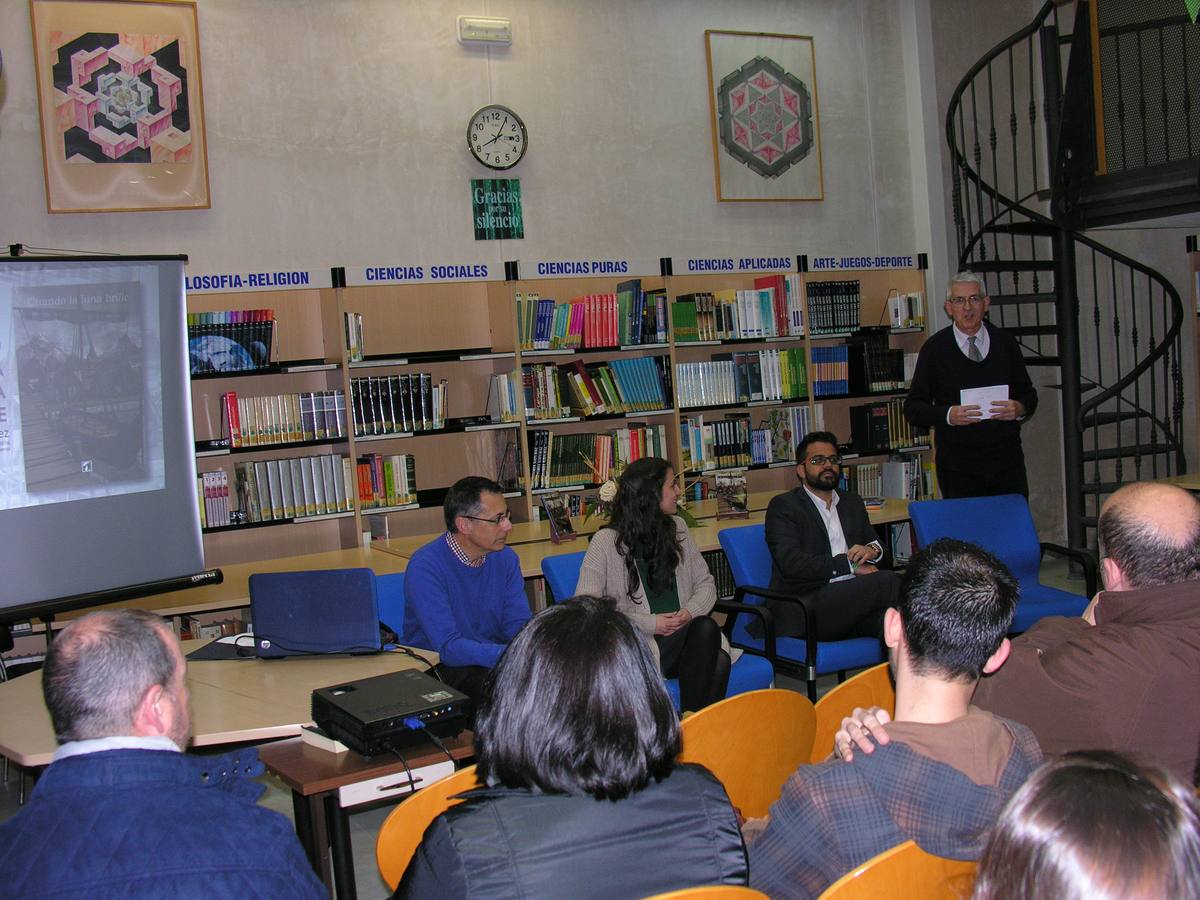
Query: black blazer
{"points": [[801, 559]]}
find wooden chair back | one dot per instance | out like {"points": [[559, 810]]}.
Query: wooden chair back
{"points": [[404, 827], [752, 742], [871, 687], [711, 892], [906, 871]]}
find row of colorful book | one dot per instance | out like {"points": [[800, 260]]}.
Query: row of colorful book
{"points": [[907, 479], [788, 425], [881, 427], [282, 418], [212, 490], [397, 404], [744, 377], [386, 480], [830, 375], [567, 460], [715, 444], [834, 306], [235, 340], [274, 489], [631, 385], [629, 317], [874, 366], [774, 308]]}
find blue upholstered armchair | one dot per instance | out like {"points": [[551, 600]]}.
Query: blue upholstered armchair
{"points": [[1004, 527], [750, 561]]}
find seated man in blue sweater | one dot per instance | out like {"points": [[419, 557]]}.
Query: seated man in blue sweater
{"points": [[465, 596], [122, 811]]}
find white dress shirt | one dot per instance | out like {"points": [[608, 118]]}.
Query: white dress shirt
{"points": [[833, 527], [120, 742]]}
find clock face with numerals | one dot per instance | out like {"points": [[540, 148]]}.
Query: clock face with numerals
{"points": [[497, 137]]}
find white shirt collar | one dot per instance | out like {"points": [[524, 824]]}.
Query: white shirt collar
{"points": [[819, 502], [118, 742], [982, 340]]}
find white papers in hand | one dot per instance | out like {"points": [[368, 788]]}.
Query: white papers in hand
{"points": [[983, 397]]}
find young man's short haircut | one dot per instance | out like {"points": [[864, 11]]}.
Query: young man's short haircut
{"points": [[956, 603], [814, 437], [463, 498]]}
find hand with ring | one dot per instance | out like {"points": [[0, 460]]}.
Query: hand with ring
{"points": [[863, 728]]}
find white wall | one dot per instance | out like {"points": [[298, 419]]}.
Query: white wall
{"points": [[336, 135]]}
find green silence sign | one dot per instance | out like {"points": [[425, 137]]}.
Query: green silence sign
{"points": [[496, 208]]}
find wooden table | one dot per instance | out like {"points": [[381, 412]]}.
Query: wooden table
{"points": [[326, 787], [232, 701]]}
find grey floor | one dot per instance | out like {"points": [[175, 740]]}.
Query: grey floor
{"points": [[365, 826]]}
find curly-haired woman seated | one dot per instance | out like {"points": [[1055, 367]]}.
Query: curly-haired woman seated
{"points": [[647, 560], [576, 739], [1094, 826]]}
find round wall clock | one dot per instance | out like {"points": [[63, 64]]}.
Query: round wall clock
{"points": [[496, 137]]}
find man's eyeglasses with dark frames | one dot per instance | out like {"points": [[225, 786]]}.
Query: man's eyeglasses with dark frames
{"points": [[821, 460], [505, 516]]}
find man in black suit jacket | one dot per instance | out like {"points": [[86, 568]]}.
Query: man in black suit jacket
{"points": [[823, 546]]}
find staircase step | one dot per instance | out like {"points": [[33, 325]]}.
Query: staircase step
{"points": [[1112, 418], [1127, 452], [1043, 360], [1013, 265], [1038, 229], [1022, 330], [1011, 299], [1089, 521]]}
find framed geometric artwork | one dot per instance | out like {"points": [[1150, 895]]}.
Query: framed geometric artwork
{"points": [[121, 107], [762, 91]]}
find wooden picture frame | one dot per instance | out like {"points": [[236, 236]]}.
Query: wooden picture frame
{"points": [[762, 95], [121, 105]]}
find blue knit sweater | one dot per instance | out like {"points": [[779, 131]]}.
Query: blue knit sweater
{"points": [[468, 615]]}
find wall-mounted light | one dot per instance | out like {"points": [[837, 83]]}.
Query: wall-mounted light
{"points": [[484, 30]]}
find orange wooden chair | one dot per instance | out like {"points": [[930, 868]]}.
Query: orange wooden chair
{"points": [[405, 825], [711, 892], [752, 742], [871, 687], [906, 871]]}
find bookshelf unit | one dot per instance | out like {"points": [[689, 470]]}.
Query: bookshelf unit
{"points": [[467, 333]]}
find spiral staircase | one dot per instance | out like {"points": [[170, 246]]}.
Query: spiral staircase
{"points": [[1030, 174]]}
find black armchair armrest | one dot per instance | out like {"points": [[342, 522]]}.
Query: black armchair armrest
{"points": [[1084, 558], [810, 622], [733, 608]]}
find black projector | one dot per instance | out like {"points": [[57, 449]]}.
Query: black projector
{"points": [[376, 715]]}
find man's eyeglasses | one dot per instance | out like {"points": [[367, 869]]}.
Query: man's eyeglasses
{"points": [[973, 299], [505, 516], [821, 460]]}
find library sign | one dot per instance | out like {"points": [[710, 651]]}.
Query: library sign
{"points": [[496, 208]]}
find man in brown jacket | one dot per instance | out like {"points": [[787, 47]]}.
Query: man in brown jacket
{"points": [[1126, 675]]}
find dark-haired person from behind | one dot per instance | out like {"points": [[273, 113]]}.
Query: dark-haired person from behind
{"points": [[647, 560], [823, 547], [949, 768], [576, 740], [1094, 825]]}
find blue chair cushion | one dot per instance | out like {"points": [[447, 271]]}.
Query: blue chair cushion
{"points": [[1038, 601], [390, 589]]}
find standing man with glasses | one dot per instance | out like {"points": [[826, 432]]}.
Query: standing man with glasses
{"points": [[978, 450], [823, 547], [464, 594]]}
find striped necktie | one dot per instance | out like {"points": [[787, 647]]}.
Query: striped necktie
{"points": [[973, 353]]}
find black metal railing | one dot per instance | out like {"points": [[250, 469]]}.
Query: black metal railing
{"points": [[1111, 324], [1149, 60]]}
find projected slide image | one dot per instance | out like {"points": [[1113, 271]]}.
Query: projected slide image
{"points": [[79, 362]]}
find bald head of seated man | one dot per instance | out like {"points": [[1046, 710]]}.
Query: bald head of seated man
{"points": [[1125, 676]]}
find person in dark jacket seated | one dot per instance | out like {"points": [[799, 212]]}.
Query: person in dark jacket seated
{"points": [[122, 811], [576, 741]]}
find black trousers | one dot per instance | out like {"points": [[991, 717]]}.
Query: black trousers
{"points": [[693, 654], [845, 609], [984, 480]]}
